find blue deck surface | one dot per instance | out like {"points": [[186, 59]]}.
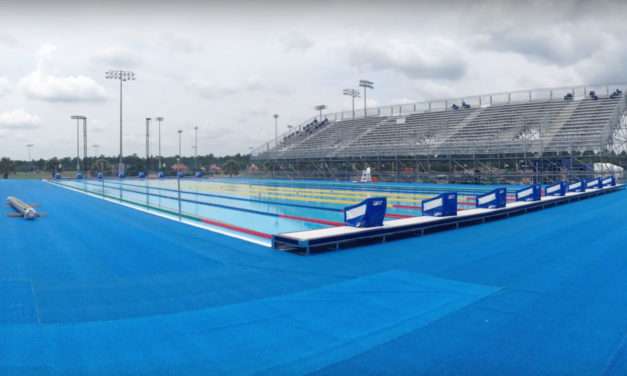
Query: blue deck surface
{"points": [[102, 289]]}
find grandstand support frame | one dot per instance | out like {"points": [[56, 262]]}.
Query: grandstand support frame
{"points": [[473, 169]]}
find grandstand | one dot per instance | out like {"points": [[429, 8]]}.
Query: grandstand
{"points": [[530, 125]]}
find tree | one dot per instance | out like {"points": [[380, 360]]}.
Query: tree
{"points": [[6, 167], [231, 167]]}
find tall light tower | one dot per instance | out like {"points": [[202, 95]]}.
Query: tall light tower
{"points": [[320, 108], [366, 85], [121, 76], [178, 159], [147, 145], [78, 119], [30, 157], [159, 120], [179, 132], [196, 148], [85, 143], [353, 93], [276, 129]]}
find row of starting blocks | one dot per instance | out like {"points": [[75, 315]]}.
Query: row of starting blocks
{"points": [[371, 211], [446, 204]]}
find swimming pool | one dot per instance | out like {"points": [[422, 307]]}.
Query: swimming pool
{"points": [[255, 209]]}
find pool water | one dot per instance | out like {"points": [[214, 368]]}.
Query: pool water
{"points": [[256, 209]]}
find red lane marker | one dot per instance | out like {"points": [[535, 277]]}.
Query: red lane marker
{"points": [[237, 228], [399, 206], [312, 220], [398, 215]]}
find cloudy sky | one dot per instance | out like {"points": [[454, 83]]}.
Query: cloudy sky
{"points": [[226, 67]]}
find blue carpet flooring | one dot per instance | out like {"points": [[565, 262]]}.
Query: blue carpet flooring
{"points": [[96, 288]]}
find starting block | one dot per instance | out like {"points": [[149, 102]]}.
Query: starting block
{"points": [[530, 193], [578, 186], [492, 200], [595, 183], [557, 189], [609, 181], [442, 205], [368, 213]]}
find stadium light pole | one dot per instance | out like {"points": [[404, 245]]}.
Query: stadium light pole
{"points": [[276, 129], [196, 148], [147, 145], [353, 93], [30, 158], [121, 76], [179, 132], [320, 108], [159, 120], [78, 119], [85, 143], [366, 85]]}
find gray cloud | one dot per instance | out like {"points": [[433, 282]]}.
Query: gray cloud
{"points": [[296, 42], [415, 61], [117, 58], [179, 43], [4, 86], [8, 40], [566, 44], [215, 90]]}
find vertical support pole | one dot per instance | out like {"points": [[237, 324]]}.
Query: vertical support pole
{"points": [[178, 188], [78, 156], [85, 144], [121, 163], [147, 146]]}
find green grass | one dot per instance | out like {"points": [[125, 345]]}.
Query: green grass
{"points": [[30, 175]]}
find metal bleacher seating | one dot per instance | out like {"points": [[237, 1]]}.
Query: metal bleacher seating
{"points": [[552, 124]]}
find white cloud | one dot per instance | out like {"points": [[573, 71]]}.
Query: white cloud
{"points": [[435, 59], [296, 42], [40, 85], [4, 86], [18, 119], [117, 57]]}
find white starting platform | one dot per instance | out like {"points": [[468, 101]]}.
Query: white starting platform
{"points": [[345, 236]]}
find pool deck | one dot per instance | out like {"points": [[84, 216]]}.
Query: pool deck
{"points": [[100, 289]]}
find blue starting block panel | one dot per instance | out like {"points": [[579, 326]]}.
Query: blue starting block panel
{"points": [[609, 181], [492, 200], [557, 189], [530, 193], [578, 186], [368, 213], [595, 183], [442, 205]]}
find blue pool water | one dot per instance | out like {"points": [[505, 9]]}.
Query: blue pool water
{"points": [[266, 207]]}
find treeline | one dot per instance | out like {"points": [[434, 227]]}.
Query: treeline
{"points": [[208, 164]]}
